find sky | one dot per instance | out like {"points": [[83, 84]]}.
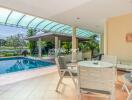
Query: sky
{"points": [[6, 31]]}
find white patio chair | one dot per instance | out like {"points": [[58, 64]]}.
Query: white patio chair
{"points": [[64, 71], [96, 80], [111, 59], [127, 82]]}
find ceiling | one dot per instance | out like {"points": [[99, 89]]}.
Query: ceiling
{"points": [[87, 14]]}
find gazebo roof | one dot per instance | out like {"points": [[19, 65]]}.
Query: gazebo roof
{"points": [[51, 37]]}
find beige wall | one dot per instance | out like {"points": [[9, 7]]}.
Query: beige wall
{"points": [[115, 32]]}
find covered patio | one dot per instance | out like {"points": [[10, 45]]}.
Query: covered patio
{"points": [[57, 39], [107, 76]]}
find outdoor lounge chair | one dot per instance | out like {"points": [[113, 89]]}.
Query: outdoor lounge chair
{"points": [[127, 82], [96, 80], [64, 71]]}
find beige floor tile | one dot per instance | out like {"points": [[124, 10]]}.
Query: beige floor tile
{"points": [[43, 88]]}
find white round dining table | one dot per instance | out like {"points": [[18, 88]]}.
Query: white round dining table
{"points": [[95, 64]]}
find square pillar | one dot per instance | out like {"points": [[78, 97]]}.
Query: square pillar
{"points": [[74, 45], [59, 44], [56, 45], [39, 48], [101, 44], [105, 38]]}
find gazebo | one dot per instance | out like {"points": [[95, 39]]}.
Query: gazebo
{"points": [[57, 38]]}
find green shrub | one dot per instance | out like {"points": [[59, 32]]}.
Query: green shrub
{"points": [[8, 54]]}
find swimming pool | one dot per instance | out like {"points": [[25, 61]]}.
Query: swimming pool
{"points": [[15, 64]]}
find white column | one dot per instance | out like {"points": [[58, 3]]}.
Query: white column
{"points": [[59, 44], [101, 44], [56, 45], [74, 45], [105, 38], [39, 48]]}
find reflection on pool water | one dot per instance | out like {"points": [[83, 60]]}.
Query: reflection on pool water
{"points": [[8, 65]]}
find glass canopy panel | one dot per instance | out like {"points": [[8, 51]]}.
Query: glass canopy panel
{"points": [[56, 27], [81, 32], [19, 19], [35, 22], [50, 26], [14, 18], [42, 25], [26, 20], [68, 31], [4, 13], [63, 28]]}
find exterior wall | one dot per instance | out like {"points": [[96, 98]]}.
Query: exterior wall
{"points": [[115, 33]]}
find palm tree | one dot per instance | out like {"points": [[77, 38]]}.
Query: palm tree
{"points": [[67, 46], [93, 44]]}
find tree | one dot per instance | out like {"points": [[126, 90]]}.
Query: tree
{"points": [[2, 42], [67, 46], [15, 41], [32, 43], [92, 44], [46, 46]]}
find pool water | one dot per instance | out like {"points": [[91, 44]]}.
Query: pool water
{"points": [[8, 65]]}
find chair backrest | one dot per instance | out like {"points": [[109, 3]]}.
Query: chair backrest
{"points": [[110, 59], [97, 79], [79, 56], [61, 63]]}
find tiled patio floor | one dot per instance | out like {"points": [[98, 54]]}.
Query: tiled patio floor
{"points": [[43, 88]]}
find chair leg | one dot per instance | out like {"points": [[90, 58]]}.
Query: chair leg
{"points": [[124, 87], [61, 77], [129, 96], [113, 97], [73, 79]]}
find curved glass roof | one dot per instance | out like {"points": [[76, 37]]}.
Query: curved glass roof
{"points": [[17, 19]]}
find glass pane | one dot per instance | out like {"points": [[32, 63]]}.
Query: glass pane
{"points": [[63, 28], [57, 27], [35, 22], [14, 18], [42, 25], [68, 30], [4, 14], [50, 26], [82, 32], [25, 20]]}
